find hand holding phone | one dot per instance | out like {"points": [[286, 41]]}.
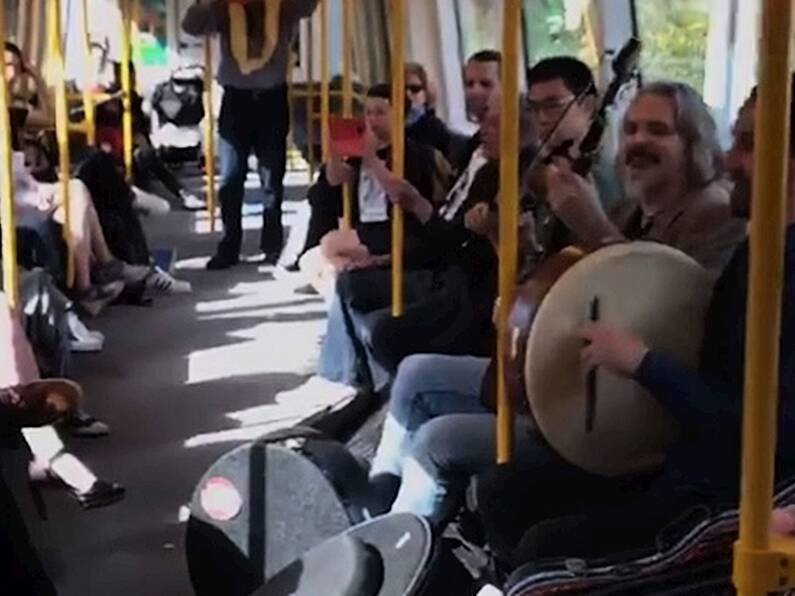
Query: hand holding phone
{"points": [[346, 136]]}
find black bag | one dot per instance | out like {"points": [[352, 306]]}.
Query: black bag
{"points": [[264, 504]]}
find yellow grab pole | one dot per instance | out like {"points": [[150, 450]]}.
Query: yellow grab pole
{"points": [[88, 81], [209, 131], [752, 552], [325, 77], [9, 230], [509, 214], [347, 97], [398, 145], [126, 86], [310, 101], [61, 127]]}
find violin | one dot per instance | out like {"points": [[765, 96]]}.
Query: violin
{"points": [[551, 256]]}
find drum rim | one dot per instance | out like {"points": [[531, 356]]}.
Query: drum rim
{"points": [[611, 251]]}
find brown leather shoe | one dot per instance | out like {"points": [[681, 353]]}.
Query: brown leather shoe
{"points": [[40, 403]]}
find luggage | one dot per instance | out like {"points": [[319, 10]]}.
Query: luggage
{"points": [[386, 556], [696, 563], [265, 503]]}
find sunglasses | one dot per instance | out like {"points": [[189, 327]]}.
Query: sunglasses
{"points": [[415, 88]]}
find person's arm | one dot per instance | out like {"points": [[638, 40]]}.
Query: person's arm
{"points": [[203, 17], [686, 395]]}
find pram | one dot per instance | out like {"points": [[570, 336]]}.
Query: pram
{"points": [[177, 113]]}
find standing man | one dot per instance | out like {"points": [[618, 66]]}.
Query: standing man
{"points": [[255, 47]]}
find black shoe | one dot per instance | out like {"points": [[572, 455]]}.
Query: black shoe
{"points": [[101, 494], [292, 267], [306, 290], [271, 258], [219, 262]]}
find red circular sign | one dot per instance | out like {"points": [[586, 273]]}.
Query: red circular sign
{"points": [[220, 499]]}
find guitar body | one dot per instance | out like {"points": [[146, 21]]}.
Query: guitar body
{"points": [[527, 300]]}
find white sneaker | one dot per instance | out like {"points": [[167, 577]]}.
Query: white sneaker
{"points": [[87, 345], [78, 330], [149, 203], [191, 202], [164, 282]]}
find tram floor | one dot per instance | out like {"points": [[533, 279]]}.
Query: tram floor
{"points": [[180, 383]]}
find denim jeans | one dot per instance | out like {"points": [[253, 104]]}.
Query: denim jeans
{"points": [[258, 120], [437, 433], [361, 299]]}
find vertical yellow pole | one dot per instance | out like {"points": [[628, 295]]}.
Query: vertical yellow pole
{"points": [[9, 230], [88, 81], [61, 126], [325, 77], [209, 131], [509, 213], [126, 86], [768, 220], [310, 100], [347, 97], [398, 145]]}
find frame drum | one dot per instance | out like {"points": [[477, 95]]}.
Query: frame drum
{"points": [[649, 289]]}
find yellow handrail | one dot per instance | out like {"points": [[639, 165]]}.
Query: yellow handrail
{"points": [[9, 230], [126, 86], [762, 564], [310, 102], [398, 145], [325, 105], [61, 128], [88, 82], [209, 131], [347, 97], [509, 213]]}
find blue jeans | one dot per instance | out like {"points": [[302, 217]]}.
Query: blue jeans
{"points": [[258, 120], [437, 434]]}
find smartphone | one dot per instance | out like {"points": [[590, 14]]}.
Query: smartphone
{"points": [[347, 136]]}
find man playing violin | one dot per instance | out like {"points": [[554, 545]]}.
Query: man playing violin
{"points": [[702, 469], [669, 166]]}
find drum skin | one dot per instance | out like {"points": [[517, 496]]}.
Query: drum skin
{"points": [[651, 290]]}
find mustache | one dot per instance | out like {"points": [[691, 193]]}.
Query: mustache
{"points": [[641, 152]]}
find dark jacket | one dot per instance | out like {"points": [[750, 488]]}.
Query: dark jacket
{"points": [[708, 402]]}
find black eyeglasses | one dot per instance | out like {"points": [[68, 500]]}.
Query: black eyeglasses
{"points": [[414, 88]]}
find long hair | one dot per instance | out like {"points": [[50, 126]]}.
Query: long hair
{"points": [[418, 70], [694, 123]]}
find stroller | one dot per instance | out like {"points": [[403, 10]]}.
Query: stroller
{"points": [[177, 112]]}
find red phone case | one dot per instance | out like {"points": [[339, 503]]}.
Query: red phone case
{"points": [[347, 136]]}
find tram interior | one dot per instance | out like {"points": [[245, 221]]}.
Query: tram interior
{"points": [[184, 367]]}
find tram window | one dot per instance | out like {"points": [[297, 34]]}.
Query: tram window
{"points": [[559, 27], [674, 34], [479, 25]]}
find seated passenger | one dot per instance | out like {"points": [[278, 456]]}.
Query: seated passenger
{"points": [[149, 171], [703, 468], [345, 356], [671, 158], [369, 243], [422, 124], [18, 368]]}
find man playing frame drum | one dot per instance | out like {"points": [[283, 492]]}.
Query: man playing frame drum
{"points": [[702, 469]]}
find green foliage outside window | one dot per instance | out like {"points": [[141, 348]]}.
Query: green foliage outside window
{"points": [[546, 33], [674, 35]]}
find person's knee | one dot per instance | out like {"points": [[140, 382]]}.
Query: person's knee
{"points": [[410, 374]]}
